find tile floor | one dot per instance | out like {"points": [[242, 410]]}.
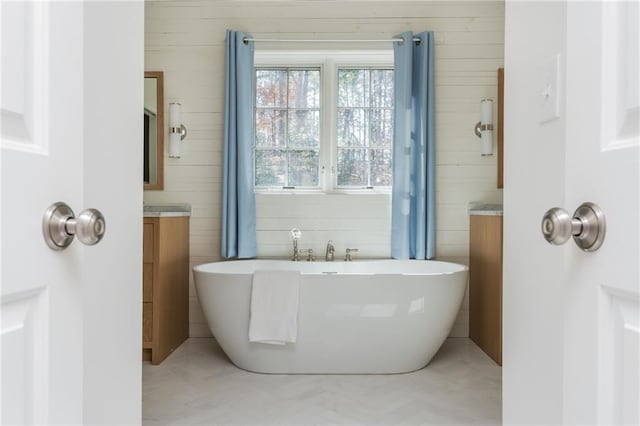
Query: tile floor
{"points": [[198, 385]]}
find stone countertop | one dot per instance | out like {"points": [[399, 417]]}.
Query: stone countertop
{"points": [[166, 210], [485, 209]]}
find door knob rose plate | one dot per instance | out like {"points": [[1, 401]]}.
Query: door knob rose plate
{"points": [[587, 226]]}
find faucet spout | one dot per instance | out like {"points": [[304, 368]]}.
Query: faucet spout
{"points": [[296, 254], [295, 235], [329, 254]]}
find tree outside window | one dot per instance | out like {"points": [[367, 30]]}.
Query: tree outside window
{"points": [[287, 127], [289, 150]]}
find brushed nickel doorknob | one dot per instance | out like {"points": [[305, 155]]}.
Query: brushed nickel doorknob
{"points": [[60, 225], [558, 226], [587, 226]]}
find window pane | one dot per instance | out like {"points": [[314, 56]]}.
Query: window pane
{"points": [[287, 121], [270, 126], [351, 127], [382, 88], [304, 89], [352, 88], [303, 168], [270, 167], [304, 129], [287, 124], [271, 88], [380, 167], [352, 167], [365, 120], [381, 127]]}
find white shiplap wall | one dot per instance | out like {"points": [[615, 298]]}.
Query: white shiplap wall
{"points": [[185, 39]]}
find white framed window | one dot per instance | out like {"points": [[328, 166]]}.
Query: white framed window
{"points": [[364, 127], [324, 121], [287, 120]]}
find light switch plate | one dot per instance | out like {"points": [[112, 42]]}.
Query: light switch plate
{"points": [[549, 90]]}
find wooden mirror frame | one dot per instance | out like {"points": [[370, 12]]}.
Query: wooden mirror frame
{"points": [[500, 127], [158, 75]]}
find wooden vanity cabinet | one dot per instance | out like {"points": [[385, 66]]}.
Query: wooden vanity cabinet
{"points": [[165, 286], [485, 284]]}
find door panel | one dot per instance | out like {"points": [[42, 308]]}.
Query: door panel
{"points": [[71, 124], [24, 350], [601, 295], [619, 304], [585, 307], [41, 151], [25, 76], [618, 385], [620, 81]]}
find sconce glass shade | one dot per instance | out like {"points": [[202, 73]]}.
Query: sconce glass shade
{"points": [[486, 127], [175, 135]]}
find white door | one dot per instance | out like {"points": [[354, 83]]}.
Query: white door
{"points": [[571, 318], [71, 105], [602, 293]]}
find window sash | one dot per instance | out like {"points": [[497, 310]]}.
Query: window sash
{"points": [[288, 149], [367, 146], [329, 63]]}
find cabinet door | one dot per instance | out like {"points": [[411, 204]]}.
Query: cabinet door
{"points": [[181, 284], [485, 284], [171, 286], [174, 251]]}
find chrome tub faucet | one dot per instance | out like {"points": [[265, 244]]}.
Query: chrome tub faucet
{"points": [[329, 254]]}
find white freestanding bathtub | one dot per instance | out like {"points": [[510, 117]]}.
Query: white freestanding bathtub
{"points": [[360, 317]]}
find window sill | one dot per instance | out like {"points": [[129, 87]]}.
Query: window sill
{"points": [[355, 191]]}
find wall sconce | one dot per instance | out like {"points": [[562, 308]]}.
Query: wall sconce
{"points": [[177, 131], [484, 127]]}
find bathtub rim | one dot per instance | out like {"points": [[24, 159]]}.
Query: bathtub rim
{"points": [[455, 268]]}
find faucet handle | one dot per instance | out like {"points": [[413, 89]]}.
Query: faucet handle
{"points": [[347, 256], [309, 253]]}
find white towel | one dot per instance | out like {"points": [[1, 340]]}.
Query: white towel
{"points": [[274, 307]]}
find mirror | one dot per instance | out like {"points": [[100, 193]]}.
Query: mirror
{"points": [[153, 135]]}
